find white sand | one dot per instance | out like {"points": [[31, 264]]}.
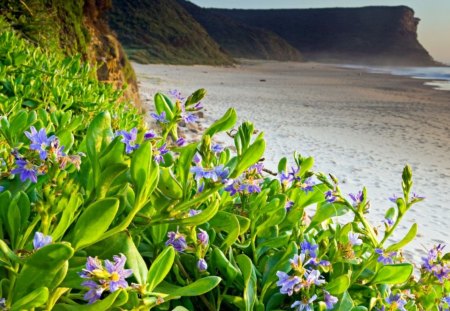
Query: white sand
{"points": [[361, 127]]}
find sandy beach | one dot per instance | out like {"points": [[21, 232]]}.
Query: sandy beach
{"points": [[361, 127]]}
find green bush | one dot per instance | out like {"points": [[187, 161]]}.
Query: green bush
{"points": [[99, 213]]}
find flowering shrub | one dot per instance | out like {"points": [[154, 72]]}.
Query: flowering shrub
{"points": [[110, 215]]}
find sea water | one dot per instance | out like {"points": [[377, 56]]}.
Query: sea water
{"points": [[438, 77]]}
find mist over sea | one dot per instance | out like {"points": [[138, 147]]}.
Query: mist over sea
{"points": [[438, 77]]}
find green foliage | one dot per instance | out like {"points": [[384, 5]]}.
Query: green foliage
{"points": [[188, 227]]}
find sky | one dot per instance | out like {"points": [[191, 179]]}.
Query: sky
{"points": [[434, 27]]}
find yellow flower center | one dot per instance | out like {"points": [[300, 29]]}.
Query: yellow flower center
{"points": [[115, 276]]}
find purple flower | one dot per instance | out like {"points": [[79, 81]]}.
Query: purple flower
{"points": [[315, 278], [357, 198], [95, 291], [289, 205], [193, 212], [256, 168], [198, 106], [298, 263], [286, 178], [287, 283], [158, 153], [202, 265], [94, 268], [388, 221], [41, 240], [161, 118], [250, 185], [57, 150], [149, 135], [394, 198], [39, 141], [385, 257], [177, 240], [304, 305], [217, 173], [197, 158], [129, 139], [180, 142], [396, 302], [329, 300], [189, 117], [310, 248], [330, 196], [354, 239], [216, 148], [26, 170], [307, 185], [117, 272], [415, 197], [176, 94], [232, 187], [2, 188], [446, 300], [3, 303], [203, 237]]}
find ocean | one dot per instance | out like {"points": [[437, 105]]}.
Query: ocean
{"points": [[437, 77]]}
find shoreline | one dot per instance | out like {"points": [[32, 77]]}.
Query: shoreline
{"points": [[361, 127]]}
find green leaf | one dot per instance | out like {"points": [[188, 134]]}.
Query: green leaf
{"points": [[225, 267], [108, 177], [160, 268], [66, 139], [68, 216], [115, 299], [198, 219], [225, 123], [250, 156], [144, 172], [273, 219], [195, 97], [393, 274], [278, 262], [326, 211], [282, 165], [94, 221], [35, 299], [163, 104], [250, 290], [41, 269], [168, 184], [224, 221], [197, 288], [408, 238], [345, 303], [338, 285]]}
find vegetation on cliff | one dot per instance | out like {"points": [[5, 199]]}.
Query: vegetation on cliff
{"points": [[162, 31], [70, 28]]}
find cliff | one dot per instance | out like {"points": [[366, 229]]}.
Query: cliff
{"points": [[161, 31], [375, 35], [241, 40], [74, 27]]}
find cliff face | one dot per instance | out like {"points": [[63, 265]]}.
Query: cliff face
{"points": [[158, 31], [241, 40], [74, 27], [377, 35]]}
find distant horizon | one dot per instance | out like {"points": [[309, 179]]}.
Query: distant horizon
{"points": [[433, 29]]}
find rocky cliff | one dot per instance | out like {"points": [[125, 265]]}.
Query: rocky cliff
{"points": [[74, 27], [376, 35], [241, 40], [158, 31]]}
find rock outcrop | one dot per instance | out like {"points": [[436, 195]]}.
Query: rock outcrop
{"points": [[161, 31], [241, 40], [370, 35]]}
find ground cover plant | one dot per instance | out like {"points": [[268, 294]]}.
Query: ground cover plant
{"points": [[100, 212]]}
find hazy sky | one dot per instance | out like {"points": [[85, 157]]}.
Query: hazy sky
{"points": [[434, 27]]}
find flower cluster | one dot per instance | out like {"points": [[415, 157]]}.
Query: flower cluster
{"points": [[249, 182], [306, 278], [49, 151], [129, 139], [101, 279], [178, 241], [292, 178], [385, 257], [435, 264]]}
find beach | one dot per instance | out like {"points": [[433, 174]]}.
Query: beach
{"points": [[361, 127]]}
